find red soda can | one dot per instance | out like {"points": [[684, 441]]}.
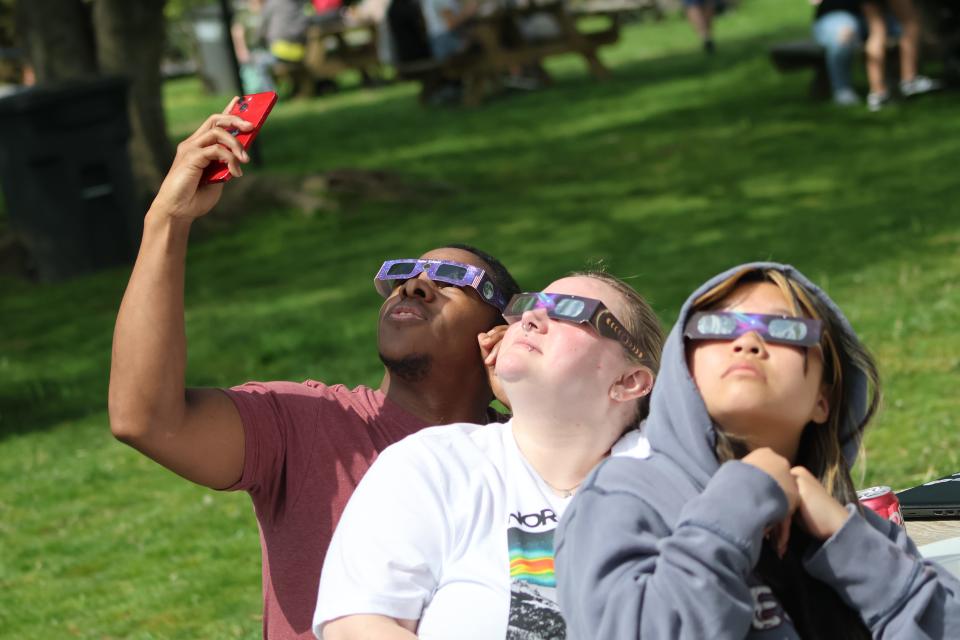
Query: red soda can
{"points": [[883, 501]]}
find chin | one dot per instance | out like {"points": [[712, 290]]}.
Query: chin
{"points": [[395, 347], [508, 374], [511, 368], [401, 344], [754, 423]]}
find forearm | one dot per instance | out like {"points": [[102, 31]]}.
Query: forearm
{"points": [[633, 585], [877, 570], [149, 343], [622, 572], [369, 627]]}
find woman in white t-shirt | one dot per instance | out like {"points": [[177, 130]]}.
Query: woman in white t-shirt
{"points": [[450, 533]]}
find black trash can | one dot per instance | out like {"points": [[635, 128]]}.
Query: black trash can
{"points": [[66, 176]]}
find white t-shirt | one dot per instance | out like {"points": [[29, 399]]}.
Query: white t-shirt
{"points": [[451, 526]]}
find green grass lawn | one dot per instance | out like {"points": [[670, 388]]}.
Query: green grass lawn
{"points": [[675, 168]]}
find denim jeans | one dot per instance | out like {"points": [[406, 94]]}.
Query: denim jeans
{"points": [[444, 45], [829, 32]]}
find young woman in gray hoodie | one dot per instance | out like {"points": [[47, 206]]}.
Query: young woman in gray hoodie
{"points": [[744, 522]]}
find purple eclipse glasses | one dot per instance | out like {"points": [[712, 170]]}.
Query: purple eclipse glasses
{"points": [[729, 325], [395, 272], [567, 308]]}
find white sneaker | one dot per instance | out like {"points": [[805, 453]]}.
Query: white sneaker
{"points": [[877, 100], [846, 98], [918, 85]]}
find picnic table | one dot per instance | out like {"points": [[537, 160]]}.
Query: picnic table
{"points": [[498, 48], [927, 531], [334, 45]]}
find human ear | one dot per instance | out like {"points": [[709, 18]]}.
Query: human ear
{"points": [[821, 410], [633, 384]]}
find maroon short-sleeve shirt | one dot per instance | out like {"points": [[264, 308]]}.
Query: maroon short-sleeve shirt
{"points": [[306, 447]]}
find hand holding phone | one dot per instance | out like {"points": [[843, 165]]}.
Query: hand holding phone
{"points": [[254, 109]]}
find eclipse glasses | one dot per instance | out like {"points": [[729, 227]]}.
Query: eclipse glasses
{"points": [[455, 273], [730, 325], [575, 309]]}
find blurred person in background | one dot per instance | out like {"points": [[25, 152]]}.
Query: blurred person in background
{"points": [[843, 26], [700, 15], [254, 58], [885, 18], [283, 27], [839, 27], [327, 8], [408, 31], [445, 20]]}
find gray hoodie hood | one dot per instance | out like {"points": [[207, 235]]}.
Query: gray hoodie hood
{"points": [[679, 426]]}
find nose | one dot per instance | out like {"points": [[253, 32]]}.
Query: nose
{"points": [[534, 320], [750, 343], [420, 287]]}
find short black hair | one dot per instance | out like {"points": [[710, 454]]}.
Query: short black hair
{"points": [[497, 272]]}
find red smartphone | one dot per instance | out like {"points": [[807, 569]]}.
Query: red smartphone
{"points": [[253, 108]]}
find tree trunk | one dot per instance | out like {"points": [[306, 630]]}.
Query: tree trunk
{"points": [[129, 42], [58, 38]]}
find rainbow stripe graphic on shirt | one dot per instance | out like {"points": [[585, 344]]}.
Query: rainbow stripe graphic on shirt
{"points": [[531, 557]]}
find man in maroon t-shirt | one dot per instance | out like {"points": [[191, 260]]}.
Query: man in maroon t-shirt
{"points": [[299, 450]]}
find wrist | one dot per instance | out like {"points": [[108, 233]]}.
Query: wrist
{"points": [[159, 219], [838, 517], [159, 224]]}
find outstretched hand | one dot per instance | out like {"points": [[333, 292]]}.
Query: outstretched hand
{"points": [[489, 348], [181, 195]]}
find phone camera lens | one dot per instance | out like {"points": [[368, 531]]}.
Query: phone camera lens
{"points": [[243, 106]]}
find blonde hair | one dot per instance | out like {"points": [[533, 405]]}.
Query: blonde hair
{"points": [[820, 448], [644, 327]]}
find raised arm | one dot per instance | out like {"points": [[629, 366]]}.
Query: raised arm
{"points": [[196, 433]]}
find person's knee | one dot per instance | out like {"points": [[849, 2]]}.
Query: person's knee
{"points": [[876, 41], [875, 47], [846, 36]]}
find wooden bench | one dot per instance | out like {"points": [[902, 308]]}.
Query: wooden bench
{"points": [[804, 55], [430, 73], [294, 75], [628, 9], [488, 60]]}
